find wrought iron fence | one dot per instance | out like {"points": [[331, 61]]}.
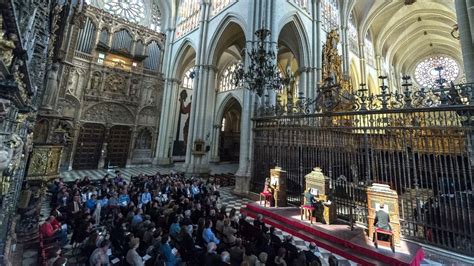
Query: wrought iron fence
{"points": [[421, 144]]}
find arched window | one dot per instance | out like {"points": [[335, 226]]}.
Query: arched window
{"points": [[188, 79], [218, 5], [353, 39], [154, 54], [226, 78], [131, 10], [369, 50], [329, 15], [86, 37], [188, 16], [155, 23], [122, 40], [435, 70]]}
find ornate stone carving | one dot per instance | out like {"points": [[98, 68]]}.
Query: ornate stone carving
{"points": [[116, 84], [76, 82], [147, 116], [96, 83], [109, 113], [51, 87]]}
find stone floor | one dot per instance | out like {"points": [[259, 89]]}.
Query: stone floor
{"points": [[432, 257]]}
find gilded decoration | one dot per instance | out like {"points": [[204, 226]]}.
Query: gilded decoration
{"points": [[109, 113], [6, 47], [336, 89]]}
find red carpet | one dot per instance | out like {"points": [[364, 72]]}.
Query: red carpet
{"points": [[338, 239]]}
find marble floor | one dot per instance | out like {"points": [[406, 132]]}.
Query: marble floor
{"points": [[148, 170]]}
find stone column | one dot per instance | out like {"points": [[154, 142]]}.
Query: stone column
{"points": [[195, 163], [345, 49], [363, 74], [316, 60], [465, 15], [165, 139], [77, 130], [131, 146]]}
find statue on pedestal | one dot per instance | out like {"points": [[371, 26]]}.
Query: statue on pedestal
{"points": [[52, 87]]}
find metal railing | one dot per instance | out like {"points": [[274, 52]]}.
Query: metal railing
{"points": [[421, 144]]}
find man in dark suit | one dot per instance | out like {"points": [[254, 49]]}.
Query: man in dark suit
{"points": [[312, 254], [212, 258], [290, 248], [275, 240]]}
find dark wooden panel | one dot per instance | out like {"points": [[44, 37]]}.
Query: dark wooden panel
{"points": [[89, 146], [118, 146]]}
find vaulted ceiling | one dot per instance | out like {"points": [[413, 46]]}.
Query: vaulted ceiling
{"points": [[406, 33]]}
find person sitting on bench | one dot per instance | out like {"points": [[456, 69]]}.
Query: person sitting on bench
{"points": [[382, 221]]}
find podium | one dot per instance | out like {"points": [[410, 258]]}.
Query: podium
{"points": [[376, 195], [318, 184], [278, 186]]}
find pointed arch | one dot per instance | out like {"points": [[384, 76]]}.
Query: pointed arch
{"points": [[217, 44], [184, 57], [294, 20], [223, 105]]}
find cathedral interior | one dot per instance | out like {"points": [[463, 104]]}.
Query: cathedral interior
{"points": [[220, 102]]}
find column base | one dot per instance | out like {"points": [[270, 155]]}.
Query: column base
{"points": [[215, 159], [242, 184], [196, 169], [163, 161]]}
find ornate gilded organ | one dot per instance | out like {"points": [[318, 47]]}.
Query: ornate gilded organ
{"points": [[318, 185]]}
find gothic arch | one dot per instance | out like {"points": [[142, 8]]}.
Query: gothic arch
{"points": [[109, 112], [184, 57], [302, 44], [224, 103], [371, 85], [354, 74], [216, 44]]}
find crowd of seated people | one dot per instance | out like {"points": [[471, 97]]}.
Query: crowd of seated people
{"points": [[163, 220]]}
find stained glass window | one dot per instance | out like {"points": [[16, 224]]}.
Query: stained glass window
{"points": [[155, 23], [219, 5], [226, 78], [131, 10], [429, 71], [329, 15], [353, 39], [369, 51], [188, 16]]}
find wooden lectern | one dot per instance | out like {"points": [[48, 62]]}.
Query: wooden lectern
{"points": [[319, 187], [376, 195], [278, 186]]}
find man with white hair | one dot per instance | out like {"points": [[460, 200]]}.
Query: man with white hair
{"points": [[212, 258], [225, 258]]}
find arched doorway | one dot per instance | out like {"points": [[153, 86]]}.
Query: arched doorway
{"points": [[89, 146], [229, 142]]}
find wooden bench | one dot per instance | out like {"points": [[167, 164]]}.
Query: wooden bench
{"points": [[390, 243], [307, 213], [267, 196]]}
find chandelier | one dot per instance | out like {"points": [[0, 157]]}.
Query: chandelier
{"points": [[262, 73]]}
